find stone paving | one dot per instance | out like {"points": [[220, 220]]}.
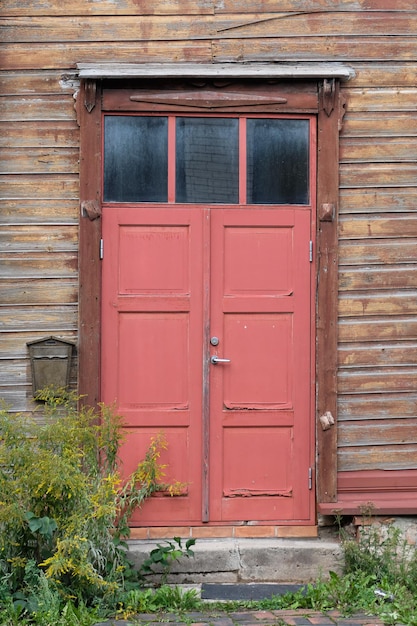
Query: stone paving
{"points": [[300, 617]]}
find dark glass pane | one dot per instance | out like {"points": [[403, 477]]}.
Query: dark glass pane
{"points": [[207, 160], [135, 159], [277, 161]]}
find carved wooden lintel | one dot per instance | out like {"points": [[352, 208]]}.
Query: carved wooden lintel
{"points": [[328, 95], [91, 209], [90, 95], [209, 99]]}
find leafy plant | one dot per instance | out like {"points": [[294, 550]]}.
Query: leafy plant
{"points": [[163, 557], [64, 509]]}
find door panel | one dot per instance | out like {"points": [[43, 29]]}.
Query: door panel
{"points": [[173, 278], [260, 402], [152, 344]]}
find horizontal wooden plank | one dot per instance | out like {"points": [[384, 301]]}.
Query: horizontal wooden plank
{"points": [[379, 124], [377, 329], [13, 345], [377, 379], [379, 303], [38, 238], [108, 7], [48, 320], [378, 226], [66, 56], [34, 82], [378, 149], [51, 134], [382, 99], [39, 291], [261, 24], [39, 161], [372, 354], [378, 174], [48, 187], [14, 373], [368, 407], [378, 433], [390, 251], [39, 265], [28, 211], [382, 74], [239, 6], [389, 457], [36, 108], [367, 278], [378, 200], [344, 49]]}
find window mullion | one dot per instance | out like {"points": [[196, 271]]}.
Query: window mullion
{"points": [[242, 161], [171, 158]]}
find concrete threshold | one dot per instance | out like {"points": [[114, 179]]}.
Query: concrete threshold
{"points": [[244, 560]]}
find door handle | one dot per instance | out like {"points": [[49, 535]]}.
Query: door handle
{"points": [[215, 359]]}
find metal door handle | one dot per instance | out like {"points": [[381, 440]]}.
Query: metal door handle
{"points": [[216, 359]]}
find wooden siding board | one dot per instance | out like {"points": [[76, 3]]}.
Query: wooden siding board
{"points": [[369, 407], [36, 134], [36, 82], [107, 7], [380, 226], [377, 277], [240, 6], [46, 160], [368, 174], [38, 265], [315, 48], [182, 27], [66, 56], [34, 187], [382, 304], [28, 211], [378, 433], [388, 379], [385, 124], [363, 252], [378, 150], [388, 73], [362, 330], [398, 457], [25, 238], [39, 291], [378, 200], [377, 354], [49, 320]]}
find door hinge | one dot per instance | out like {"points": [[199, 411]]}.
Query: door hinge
{"points": [[310, 478], [311, 251], [101, 251]]}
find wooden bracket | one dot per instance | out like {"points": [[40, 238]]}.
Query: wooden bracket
{"points": [[90, 95], [327, 212], [328, 95], [91, 209]]}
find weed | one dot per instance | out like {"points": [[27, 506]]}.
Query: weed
{"points": [[163, 557]]}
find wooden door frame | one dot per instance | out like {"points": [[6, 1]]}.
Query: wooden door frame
{"points": [[329, 109]]}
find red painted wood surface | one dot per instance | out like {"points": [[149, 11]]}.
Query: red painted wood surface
{"points": [[250, 419], [260, 402], [152, 344]]}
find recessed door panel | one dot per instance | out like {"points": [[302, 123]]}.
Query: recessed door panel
{"points": [[260, 402]]}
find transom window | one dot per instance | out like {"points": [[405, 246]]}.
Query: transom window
{"points": [[195, 159]]}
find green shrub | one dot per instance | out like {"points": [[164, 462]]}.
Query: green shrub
{"points": [[64, 509]]}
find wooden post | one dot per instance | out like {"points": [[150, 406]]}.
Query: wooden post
{"points": [[89, 112], [327, 295]]}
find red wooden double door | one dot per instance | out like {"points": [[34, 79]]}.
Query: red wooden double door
{"points": [[206, 336], [207, 312]]}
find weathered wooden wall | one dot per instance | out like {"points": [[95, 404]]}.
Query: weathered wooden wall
{"points": [[41, 43]]}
